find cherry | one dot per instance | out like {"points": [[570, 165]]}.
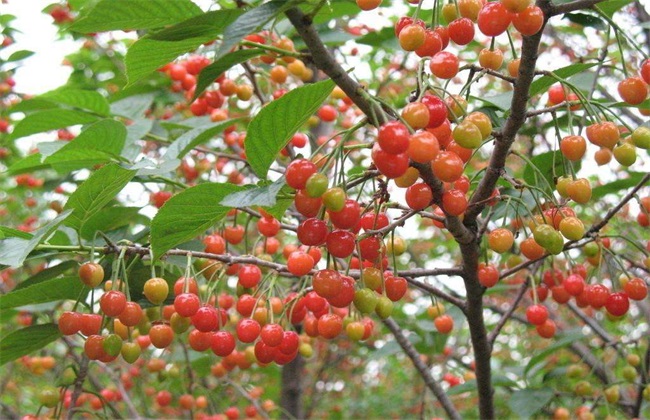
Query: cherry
{"points": [[454, 202], [447, 166], [327, 283], [372, 221], [488, 275], [493, 19], [633, 90], [222, 343], [206, 319], [574, 284], [298, 172], [390, 165], [268, 226], [547, 329], [500, 240], [411, 37], [396, 287], [348, 217], [490, 58], [329, 326], [312, 232], [248, 330], [131, 315], [112, 303], [300, 263], [573, 147], [444, 324], [418, 196], [70, 323], [156, 290], [437, 110], [187, 304], [636, 288], [432, 44], [249, 275], [617, 304], [529, 21], [370, 248], [423, 147], [327, 113], [214, 244], [393, 137], [306, 205], [290, 342], [537, 314], [416, 115], [444, 65], [161, 335], [461, 31], [90, 324], [341, 243], [272, 334], [91, 274], [334, 199]]}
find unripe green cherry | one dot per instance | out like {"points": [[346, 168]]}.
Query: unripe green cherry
{"points": [[641, 137], [625, 154], [316, 185], [467, 135], [572, 228], [334, 199], [112, 344], [384, 307], [365, 300], [49, 396], [130, 351]]}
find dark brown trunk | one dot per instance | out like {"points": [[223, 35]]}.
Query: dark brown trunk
{"points": [[292, 386]]}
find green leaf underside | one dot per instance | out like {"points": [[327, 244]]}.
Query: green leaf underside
{"points": [[181, 146], [258, 196], [271, 129], [88, 100], [214, 70], [27, 340], [50, 119], [251, 21], [550, 165], [109, 15], [543, 83], [47, 291], [99, 143], [189, 214], [107, 219], [94, 193], [13, 251], [47, 274], [151, 52]]}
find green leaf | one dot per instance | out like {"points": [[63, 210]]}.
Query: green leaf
{"points": [[181, 146], [382, 38], [134, 133], [85, 99], [259, 196], [133, 107], [188, 214], [110, 15], [336, 9], [99, 143], [47, 291], [19, 55], [501, 101], [50, 119], [251, 21], [550, 165], [153, 51], [211, 72], [526, 402], [7, 232], [94, 193], [29, 163], [612, 6], [107, 219], [47, 274], [277, 122], [585, 19], [542, 355], [27, 340], [617, 186], [543, 83], [13, 251]]}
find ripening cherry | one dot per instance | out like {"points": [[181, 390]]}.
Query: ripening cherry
{"points": [[348, 217], [547, 329], [416, 115], [214, 244], [112, 303], [329, 326], [312, 232], [515, 6], [597, 295], [454, 202], [470, 8], [70, 323], [447, 166], [500, 240], [633, 90], [529, 21], [488, 275], [574, 284], [367, 5], [493, 19], [327, 283], [636, 288], [91, 274], [573, 147], [411, 37], [444, 65], [248, 330], [432, 44], [372, 221], [404, 21], [393, 137], [327, 113], [161, 335], [131, 315], [391, 166], [444, 324], [396, 287], [491, 59], [418, 196], [300, 263], [268, 226], [423, 147], [461, 31]]}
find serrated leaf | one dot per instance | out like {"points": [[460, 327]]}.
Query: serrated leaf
{"points": [[47, 274], [584, 19], [277, 122], [149, 53], [99, 143], [110, 15], [50, 119], [13, 251], [95, 192], [543, 83], [527, 402], [85, 99], [251, 21], [548, 165], [134, 133], [259, 196], [47, 291], [107, 219], [188, 214], [26, 340], [610, 7], [19, 55], [212, 71], [182, 145], [617, 186]]}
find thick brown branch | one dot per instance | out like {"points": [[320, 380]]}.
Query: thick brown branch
{"points": [[422, 368], [573, 6], [325, 62]]}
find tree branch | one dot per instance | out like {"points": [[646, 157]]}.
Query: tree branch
{"points": [[422, 368], [572, 6]]}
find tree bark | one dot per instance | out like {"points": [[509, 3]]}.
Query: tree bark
{"points": [[292, 385]]}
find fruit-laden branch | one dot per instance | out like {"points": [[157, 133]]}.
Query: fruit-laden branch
{"points": [[507, 314], [459, 303], [422, 368]]}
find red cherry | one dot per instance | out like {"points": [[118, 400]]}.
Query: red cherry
{"points": [[537, 314], [617, 304]]}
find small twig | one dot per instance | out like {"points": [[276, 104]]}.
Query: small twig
{"points": [[508, 314]]}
